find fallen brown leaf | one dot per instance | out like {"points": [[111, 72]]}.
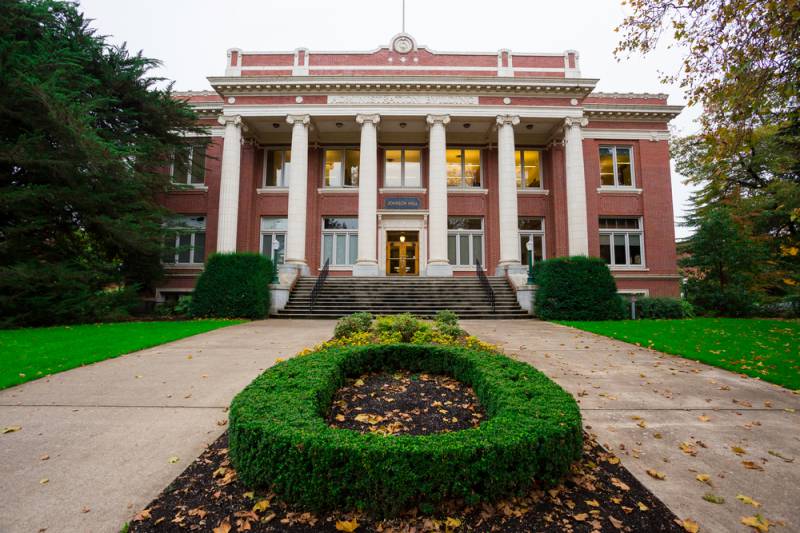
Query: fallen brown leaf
{"points": [[656, 474]]}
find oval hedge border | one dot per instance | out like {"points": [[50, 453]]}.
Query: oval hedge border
{"points": [[279, 437]]}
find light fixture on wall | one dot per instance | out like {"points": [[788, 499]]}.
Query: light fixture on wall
{"points": [[529, 126], [467, 125], [403, 124], [339, 124], [276, 125], [402, 238]]}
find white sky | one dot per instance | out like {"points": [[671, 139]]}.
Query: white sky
{"points": [[191, 37]]}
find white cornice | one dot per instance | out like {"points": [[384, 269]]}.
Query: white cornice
{"points": [[626, 134], [402, 110], [632, 112], [571, 87]]}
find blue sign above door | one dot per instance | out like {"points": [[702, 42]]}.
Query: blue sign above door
{"points": [[402, 202]]}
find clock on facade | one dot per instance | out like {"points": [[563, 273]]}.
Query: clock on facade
{"points": [[403, 44]]}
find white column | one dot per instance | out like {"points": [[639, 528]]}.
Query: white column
{"points": [[298, 191], [577, 224], [507, 195], [438, 264], [367, 263], [228, 216]]}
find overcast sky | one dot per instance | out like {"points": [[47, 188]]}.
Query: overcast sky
{"points": [[191, 37]]}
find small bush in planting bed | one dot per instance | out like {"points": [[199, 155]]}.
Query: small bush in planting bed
{"points": [[355, 323], [279, 437], [663, 308]]}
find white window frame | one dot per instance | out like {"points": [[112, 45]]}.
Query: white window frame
{"points": [[472, 233], [192, 232], [344, 150], [523, 182], [538, 233], [462, 184], [189, 167], [616, 185], [274, 234], [402, 168], [337, 234], [627, 233], [283, 182]]}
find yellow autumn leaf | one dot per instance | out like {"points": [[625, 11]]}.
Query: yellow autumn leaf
{"points": [[172, 460], [747, 500], [249, 495], [642, 507], [690, 525], [704, 478], [581, 517], [451, 523], [279, 360], [11, 429], [349, 525], [738, 450], [369, 418], [44, 481], [340, 418], [757, 522], [260, 506], [613, 460], [656, 474], [593, 503], [704, 418], [359, 383]]}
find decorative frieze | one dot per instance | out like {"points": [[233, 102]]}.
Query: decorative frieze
{"points": [[401, 99]]}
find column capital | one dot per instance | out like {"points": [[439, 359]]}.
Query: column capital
{"points": [[507, 120], [236, 120], [581, 122], [362, 118], [298, 119], [438, 119]]}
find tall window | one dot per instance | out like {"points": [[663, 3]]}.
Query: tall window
{"points": [[403, 168], [529, 169], [340, 240], [276, 168], [273, 238], [616, 166], [622, 241], [185, 240], [189, 165], [341, 168], [463, 167], [465, 240], [531, 228]]}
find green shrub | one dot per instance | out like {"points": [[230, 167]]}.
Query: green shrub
{"points": [[663, 308], [446, 317], [355, 323], [576, 288], [279, 437], [184, 305], [233, 286], [404, 324]]}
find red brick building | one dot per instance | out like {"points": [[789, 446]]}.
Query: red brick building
{"points": [[407, 161]]}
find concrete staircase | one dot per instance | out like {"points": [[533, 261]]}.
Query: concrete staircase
{"points": [[421, 296]]}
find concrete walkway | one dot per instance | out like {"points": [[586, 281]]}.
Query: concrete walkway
{"points": [[643, 404], [111, 429]]}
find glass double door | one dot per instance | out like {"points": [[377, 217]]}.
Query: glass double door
{"points": [[402, 253]]}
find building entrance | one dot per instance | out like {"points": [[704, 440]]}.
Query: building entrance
{"points": [[402, 253]]}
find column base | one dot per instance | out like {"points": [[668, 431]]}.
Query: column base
{"points": [[365, 269], [510, 269], [440, 270], [278, 297]]}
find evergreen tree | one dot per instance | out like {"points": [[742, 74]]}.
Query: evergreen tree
{"points": [[722, 263], [83, 132]]}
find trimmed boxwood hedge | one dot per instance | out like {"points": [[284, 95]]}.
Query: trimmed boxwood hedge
{"points": [[234, 285], [576, 288], [279, 438]]}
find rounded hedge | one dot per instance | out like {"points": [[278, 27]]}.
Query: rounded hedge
{"points": [[234, 285], [576, 288], [279, 437]]}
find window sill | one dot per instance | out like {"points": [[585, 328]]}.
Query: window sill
{"points": [[464, 190], [183, 266], [182, 187], [337, 190], [273, 190], [628, 269], [534, 192], [339, 268], [619, 190], [464, 268], [411, 190]]}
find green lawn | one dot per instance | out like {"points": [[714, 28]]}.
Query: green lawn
{"points": [[31, 353], [767, 349]]}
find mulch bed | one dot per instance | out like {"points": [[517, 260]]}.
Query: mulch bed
{"points": [[599, 495], [402, 403]]}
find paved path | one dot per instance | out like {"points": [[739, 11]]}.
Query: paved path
{"points": [[615, 381], [110, 428]]}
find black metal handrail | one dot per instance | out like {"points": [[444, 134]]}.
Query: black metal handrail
{"points": [[323, 275], [487, 287]]}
